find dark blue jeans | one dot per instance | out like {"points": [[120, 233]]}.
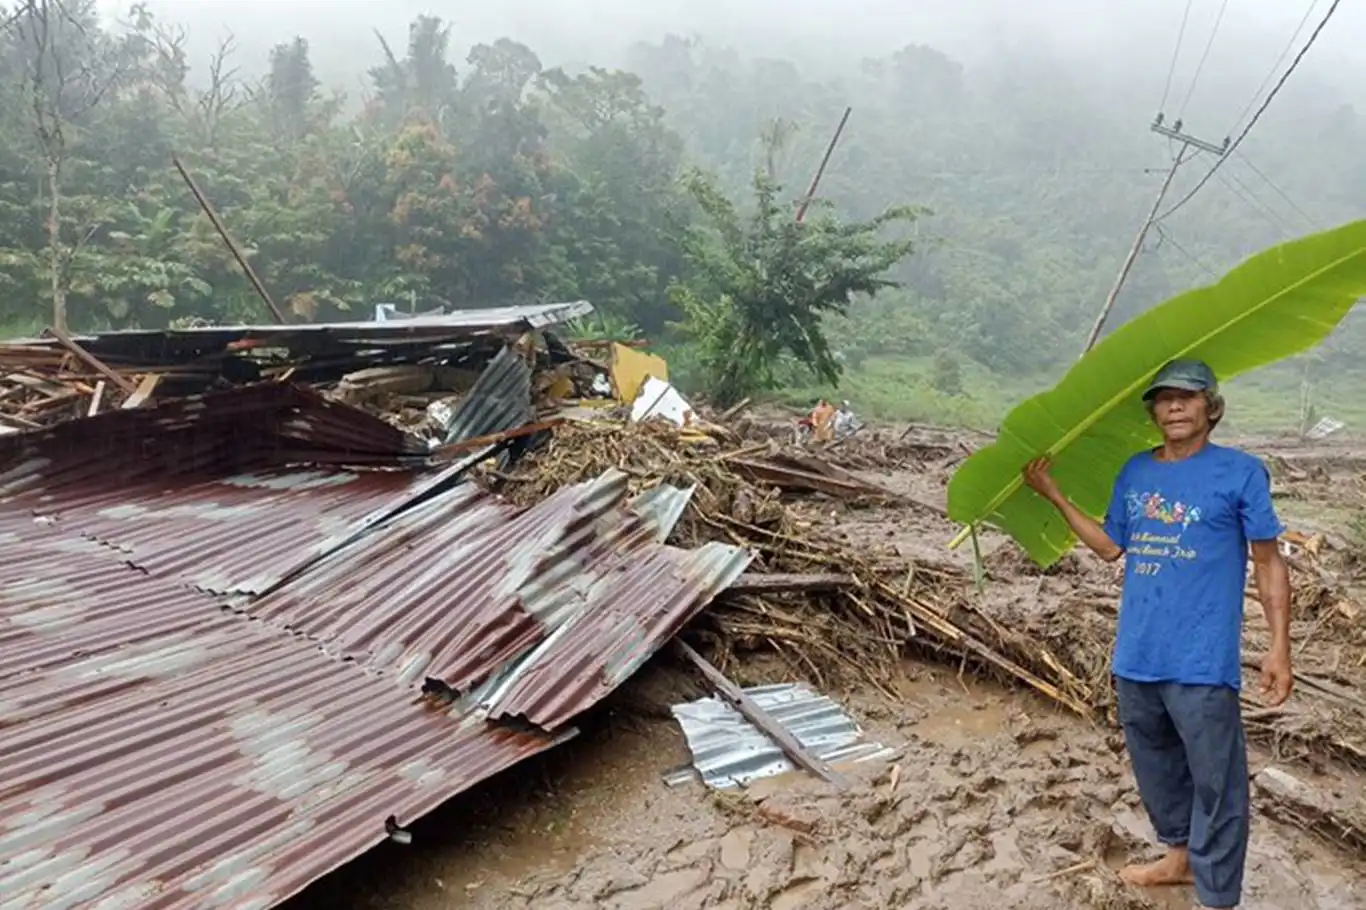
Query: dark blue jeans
{"points": [[1190, 760]]}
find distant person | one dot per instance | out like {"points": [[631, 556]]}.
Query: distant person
{"points": [[1183, 516], [823, 421]]}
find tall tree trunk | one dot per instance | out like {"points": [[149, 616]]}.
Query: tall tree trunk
{"points": [[54, 243]]}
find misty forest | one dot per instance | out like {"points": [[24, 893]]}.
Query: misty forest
{"points": [[969, 225]]}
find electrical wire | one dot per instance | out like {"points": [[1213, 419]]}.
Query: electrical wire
{"points": [[1166, 237], [1209, 45], [1176, 54], [1279, 192], [1271, 73], [1247, 197], [1318, 30]]}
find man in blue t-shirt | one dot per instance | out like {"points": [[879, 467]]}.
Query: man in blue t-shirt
{"points": [[1183, 516]]}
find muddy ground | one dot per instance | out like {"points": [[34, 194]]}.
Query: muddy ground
{"points": [[997, 796], [999, 799]]}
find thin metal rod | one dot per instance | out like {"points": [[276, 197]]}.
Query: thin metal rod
{"points": [[227, 239]]}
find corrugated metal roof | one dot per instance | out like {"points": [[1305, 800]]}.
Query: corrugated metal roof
{"points": [[173, 344], [233, 429], [499, 400], [161, 752], [637, 605], [728, 751], [462, 585]]}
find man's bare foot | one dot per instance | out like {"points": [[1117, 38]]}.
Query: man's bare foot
{"points": [[1172, 869]]}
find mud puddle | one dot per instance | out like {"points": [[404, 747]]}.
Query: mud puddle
{"points": [[997, 802]]}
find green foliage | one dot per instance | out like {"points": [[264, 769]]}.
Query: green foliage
{"points": [[477, 176], [446, 185], [946, 374], [603, 326], [1281, 302], [763, 285]]}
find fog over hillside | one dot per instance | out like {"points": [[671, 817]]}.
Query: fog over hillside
{"points": [[1127, 42]]}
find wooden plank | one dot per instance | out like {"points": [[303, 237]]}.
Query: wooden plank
{"points": [[96, 400], [90, 360], [777, 582], [143, 393], [761, 719], [478, 442]]}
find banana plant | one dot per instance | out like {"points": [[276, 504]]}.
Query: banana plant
{"points": [[1278, 303]]}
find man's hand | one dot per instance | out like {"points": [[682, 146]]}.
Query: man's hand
{"points": [[1277, 677], [1037, 478]]}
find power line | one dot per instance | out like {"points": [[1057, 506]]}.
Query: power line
{"points": [[1176, 54], [1280, 192], [1261, 110], [1209, 45], [1164, 236], [1285, 52], [1268, 214]]}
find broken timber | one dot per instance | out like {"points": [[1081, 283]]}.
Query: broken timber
{"points": [[761, 719], [90, 360], [785, 582]]}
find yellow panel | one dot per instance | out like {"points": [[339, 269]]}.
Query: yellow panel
{"points": [[630, 369]]}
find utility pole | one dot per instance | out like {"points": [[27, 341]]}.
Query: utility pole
{"points": [[820, 171], [1188, 142]]}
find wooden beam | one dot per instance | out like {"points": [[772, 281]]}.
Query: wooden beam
{"points": [[765, 722], [777, 582], [96, 400], [478, 442], [146, 387], [90, 360]]}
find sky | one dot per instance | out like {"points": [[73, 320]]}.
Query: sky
{"points": [[1118, 36]]}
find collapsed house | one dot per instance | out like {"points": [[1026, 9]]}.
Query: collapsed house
{"points": [[232, 660], [250, 631]]}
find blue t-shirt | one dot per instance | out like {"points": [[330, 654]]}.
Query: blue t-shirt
{"points": [[1184, 527]]}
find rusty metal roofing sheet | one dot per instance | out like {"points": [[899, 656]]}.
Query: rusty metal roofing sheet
{"points": [[234, 429], [637, 605], [464, 584], [162, 750], [241, 534], [161, 753]]}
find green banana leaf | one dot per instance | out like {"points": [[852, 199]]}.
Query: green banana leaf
{"points": [[1278, 303]]}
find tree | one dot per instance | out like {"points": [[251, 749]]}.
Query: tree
{"points": [[763, 285], [291, 90], [621, 209], [423, 84], [70, 65]]}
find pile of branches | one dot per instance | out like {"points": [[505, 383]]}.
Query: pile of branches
{"points": [[831, 610]]}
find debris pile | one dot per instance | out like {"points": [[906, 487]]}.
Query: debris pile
{"points": [[412, 371], [837, 607], [830, 609], [839, 610]]}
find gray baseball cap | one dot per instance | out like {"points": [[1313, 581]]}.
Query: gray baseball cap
{"points": [[1190, 375]]}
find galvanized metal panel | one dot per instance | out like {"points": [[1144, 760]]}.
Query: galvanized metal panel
{"points": [[499, 400], [155, 345], [728, 751]]}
